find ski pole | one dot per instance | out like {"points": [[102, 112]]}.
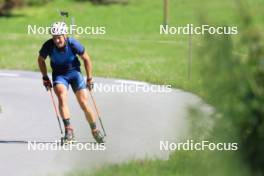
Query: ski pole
{"points": [[97, 111], [55, 108]]}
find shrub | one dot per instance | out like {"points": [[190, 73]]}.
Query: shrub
{"points": [[234, 85]]}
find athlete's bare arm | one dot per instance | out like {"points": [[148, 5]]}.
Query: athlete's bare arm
{"points": [[42, 65], [87, 64]]}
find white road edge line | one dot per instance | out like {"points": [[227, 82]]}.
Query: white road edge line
{"points": [[131, 82], [9, 75]]}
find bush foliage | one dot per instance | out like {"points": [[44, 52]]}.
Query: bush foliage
{"points": [[234, 85]]}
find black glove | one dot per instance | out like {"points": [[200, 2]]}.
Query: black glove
{"points": [[90, 84], [46, 82]]}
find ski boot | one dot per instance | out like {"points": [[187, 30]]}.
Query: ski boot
{"points": [[98, 136], [69, 135]]}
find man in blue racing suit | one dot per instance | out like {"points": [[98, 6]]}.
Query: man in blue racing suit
{"points": [[63, 52]]}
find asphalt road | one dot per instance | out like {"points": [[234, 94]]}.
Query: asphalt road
{"points": [[135, 124]]}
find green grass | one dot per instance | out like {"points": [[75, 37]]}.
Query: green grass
{"points": [[132, 46], [182, 163]]}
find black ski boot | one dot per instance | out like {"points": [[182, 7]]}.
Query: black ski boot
{"points": [[69, 135], [98, 136]]}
